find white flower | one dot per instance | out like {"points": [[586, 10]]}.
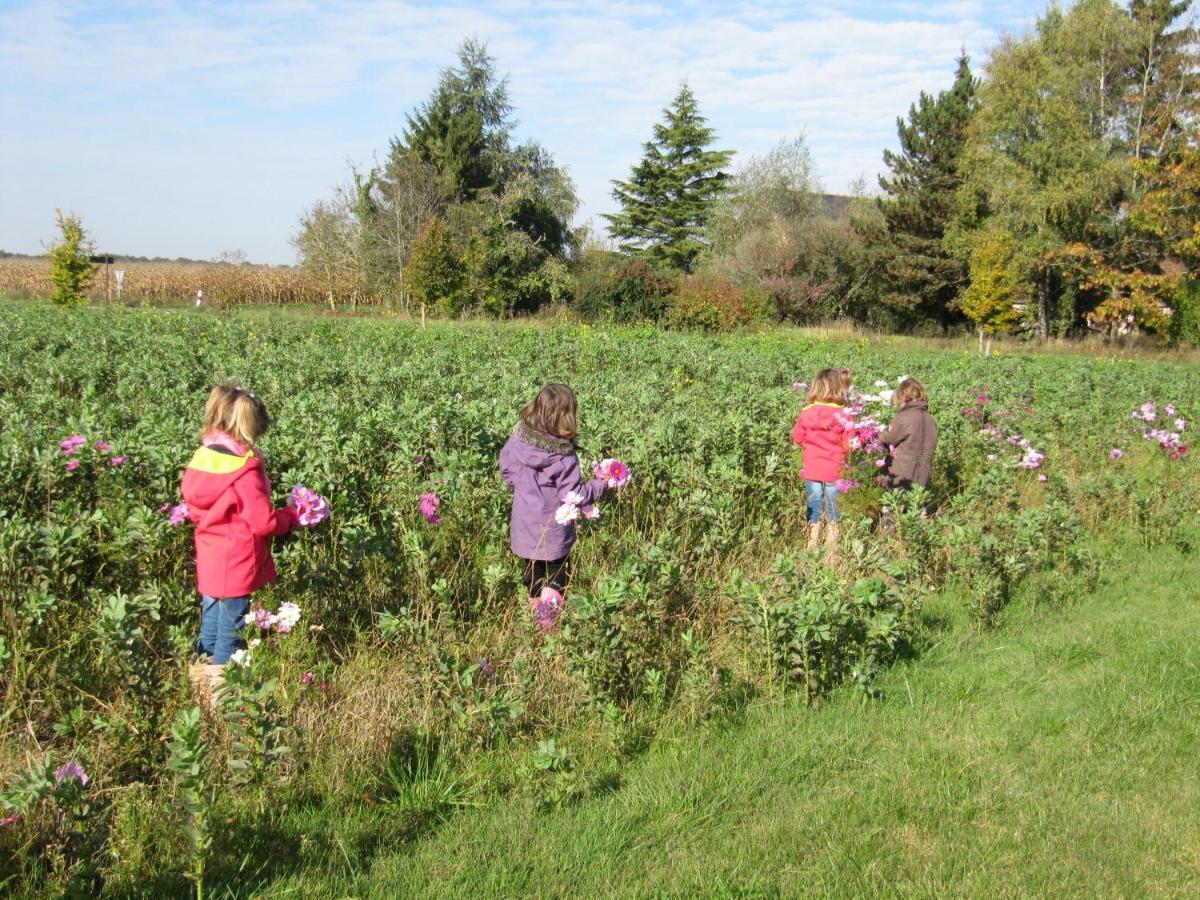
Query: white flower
{"points": [[566, 514], [287, 617], [574, 498], [253, 643], [881, 383], [240, 657], [886, 396]]}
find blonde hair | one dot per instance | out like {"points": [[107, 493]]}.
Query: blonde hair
{"points": [[554, 411], [910, 389], [237, 412], [846, 380], [827, 388]]}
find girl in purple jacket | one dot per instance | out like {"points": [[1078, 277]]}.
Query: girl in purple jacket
{"points": [[540, 464]]}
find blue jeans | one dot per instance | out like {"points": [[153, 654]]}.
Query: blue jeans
{"points": [[221, 623], [822, 495]]}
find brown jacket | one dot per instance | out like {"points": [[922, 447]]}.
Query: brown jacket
{"points": [[913, 438]]}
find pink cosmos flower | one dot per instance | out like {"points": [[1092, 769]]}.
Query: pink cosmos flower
{"points": [[260, 618], [118, 460], [1116, 453], [1169, 409], [72, 770], [429, 508], [72, 465], [1042, 477], [179, 514], [799, 385], [102, 446], [71, 445], [845, 485], [615, 472], [311, 507], [592, 513], [306, 678], [1032, 459]]}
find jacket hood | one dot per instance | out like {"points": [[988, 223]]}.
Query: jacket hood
{"points": [[211, 472], [915, 404], [540, 449]]}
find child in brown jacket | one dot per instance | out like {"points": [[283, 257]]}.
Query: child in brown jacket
{"points": [[912, 435]]}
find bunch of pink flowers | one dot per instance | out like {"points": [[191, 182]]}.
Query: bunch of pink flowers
{"points": [[1169, 439], [70, 446], [429, 508], [311, 508], [615, 472]]}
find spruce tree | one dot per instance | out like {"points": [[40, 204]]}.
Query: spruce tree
{"points": [[463, 129], [922, 277], [667, 200]]}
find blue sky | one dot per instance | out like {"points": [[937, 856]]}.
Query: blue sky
{"points": [[188, 129]]}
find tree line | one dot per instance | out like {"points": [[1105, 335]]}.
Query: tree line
{"points": [[1057, 190]]}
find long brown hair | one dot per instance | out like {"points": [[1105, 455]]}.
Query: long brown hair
{"points": [[237, 412], [827, 388], [554, 411]]}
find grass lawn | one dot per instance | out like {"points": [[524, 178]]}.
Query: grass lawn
{"points": [[1054, 756]]}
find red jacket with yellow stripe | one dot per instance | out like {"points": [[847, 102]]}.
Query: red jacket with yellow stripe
{"points": [[823, 432], [228, 498]]}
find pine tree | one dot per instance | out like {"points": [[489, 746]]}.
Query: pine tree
{"points": [[666, 202], [463, 129], [922, 276]]}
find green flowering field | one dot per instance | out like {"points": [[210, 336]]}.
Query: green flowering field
{"points": [[414, 688]]}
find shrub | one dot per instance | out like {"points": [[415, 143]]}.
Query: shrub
{"points": [[1185, 323], [609, 286], [712, 303], [434, 273], [71, 268]]}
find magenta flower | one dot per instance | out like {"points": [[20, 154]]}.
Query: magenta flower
{"points": [[179, 514], [311, 507], [845, 485], [591, 513], [260, 618], [1116, 453], [306, 678], [72, 444], [119, 460], [1042, 477], [72, 465], [615, 472], [799, 386], [72, 770], [102, 446], [429, 508]]}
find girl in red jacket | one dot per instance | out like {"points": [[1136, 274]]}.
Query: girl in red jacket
{"points": [[823, 432], [228, 498]]}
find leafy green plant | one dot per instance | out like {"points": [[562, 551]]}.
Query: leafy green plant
{"points": [[71, 267], [190, 766]]}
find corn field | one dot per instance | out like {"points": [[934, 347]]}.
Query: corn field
{"points": [[164, 282]]}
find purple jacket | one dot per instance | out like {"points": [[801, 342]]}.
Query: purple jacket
{"points": [[541, 470]]}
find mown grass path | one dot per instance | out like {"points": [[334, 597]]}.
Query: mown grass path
{"points": [[1055, 756]]}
